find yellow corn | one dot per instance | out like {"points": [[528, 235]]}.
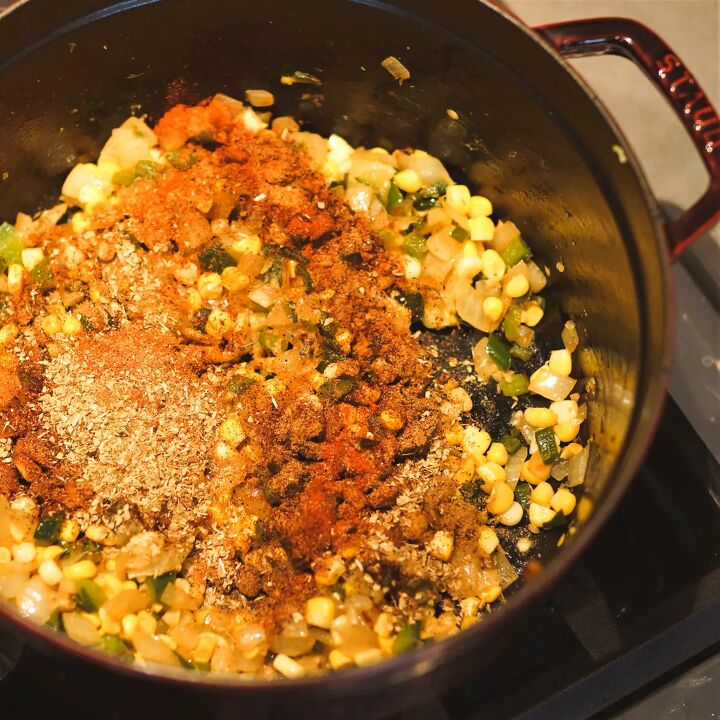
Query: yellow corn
{"points": [[501, 498], [210, 286], [408, 181], [480, 206], [517, 286]]}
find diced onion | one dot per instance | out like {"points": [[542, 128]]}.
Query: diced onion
{"points": [[260, 98], [443, 246], [505, 233], [570, 336], [262, 296], [577, 467], [551, 386], [560, 470], [80, 629], [430, 169], [396, 68], [126, 602], [507, 573], [153, 650], [513, 466], [536, 277], [470, 308], [293, 640]]}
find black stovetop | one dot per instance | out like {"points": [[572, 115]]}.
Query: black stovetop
{"points": [[643, 599]]}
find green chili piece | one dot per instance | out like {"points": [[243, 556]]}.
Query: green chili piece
{"points": [[498, 351], [157, 585], [124, 177], [183, 158], [216, 258], [146, 169], [89, 595], [512, 444], [239, 384], [521, 353], [518, 384], [115, 645], [48, 530], [10, 245], [460, 234], [516, 251], [511, 323], [394, 196], [522, 494], [336, 390], [415, 303], [547, 447], [415, 246], [559, 520], [407, 639]]}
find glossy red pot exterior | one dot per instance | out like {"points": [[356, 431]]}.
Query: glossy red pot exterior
{"points": [[531, 135]]}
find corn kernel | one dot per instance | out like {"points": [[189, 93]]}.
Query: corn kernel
{"points": [[493, 308], [408, 180], [465, 472], [491, 473], [542, 494], [187, 273], [146, 622], [100, 534], [31, 257], [493, 265], [391, 421], [470, 606], [501, 498], [383, 626], [365, 658], [567, 431], [468, 267], [51, 325], [51, 552], [205, 648], [491, 593], [219, 323], [476, 442], [194, 300], [570, 451], [71, 326], [328, 570], [210, 286], [15, 278], [128, 625], [81, 570], [454, 435], [563, 501], [442, 545], [288, 667], [8, 333], [69, 530], [320, 612], [80, 222], [480, 206], [231, 431], [487, 539], [246, 245], [234, 280], [517, 286], [5, 555], [470, 249], [512, 516], [172, 618], [458, 198], [481, 229], [459, 396], [532, 315], [24, 552], [338, 660], [560, 362], [108, 625], [497, 454], [540, 417], [523, 544], [540, 515]]}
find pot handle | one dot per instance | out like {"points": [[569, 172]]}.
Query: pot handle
{"points": [[632, 40]]}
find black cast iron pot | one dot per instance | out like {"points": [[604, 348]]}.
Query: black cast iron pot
{"points": [[530, 135]]}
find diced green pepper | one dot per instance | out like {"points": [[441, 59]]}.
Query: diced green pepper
{"points": [[516, 251], [511, 323], [115, 645], [547, 447], [559, 520], [521, 353], [274, 272], [89, 595], [472, 493], [215, 258], [498, 351], [157, 585], [48, 530], [415, 246], [336, 390], [302, 272], [124, 177], [239, 384], [146, 169], [518, 384], [10, 245], [43, 276], [271, 342], [512, 444], [407, 639], [522, 494], [394, 196], [460, 234], [183, 158], [54, 622], [354, 260], [425, 203]]}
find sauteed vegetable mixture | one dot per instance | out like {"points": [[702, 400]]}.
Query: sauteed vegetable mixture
{"points": [[225, 444]]}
